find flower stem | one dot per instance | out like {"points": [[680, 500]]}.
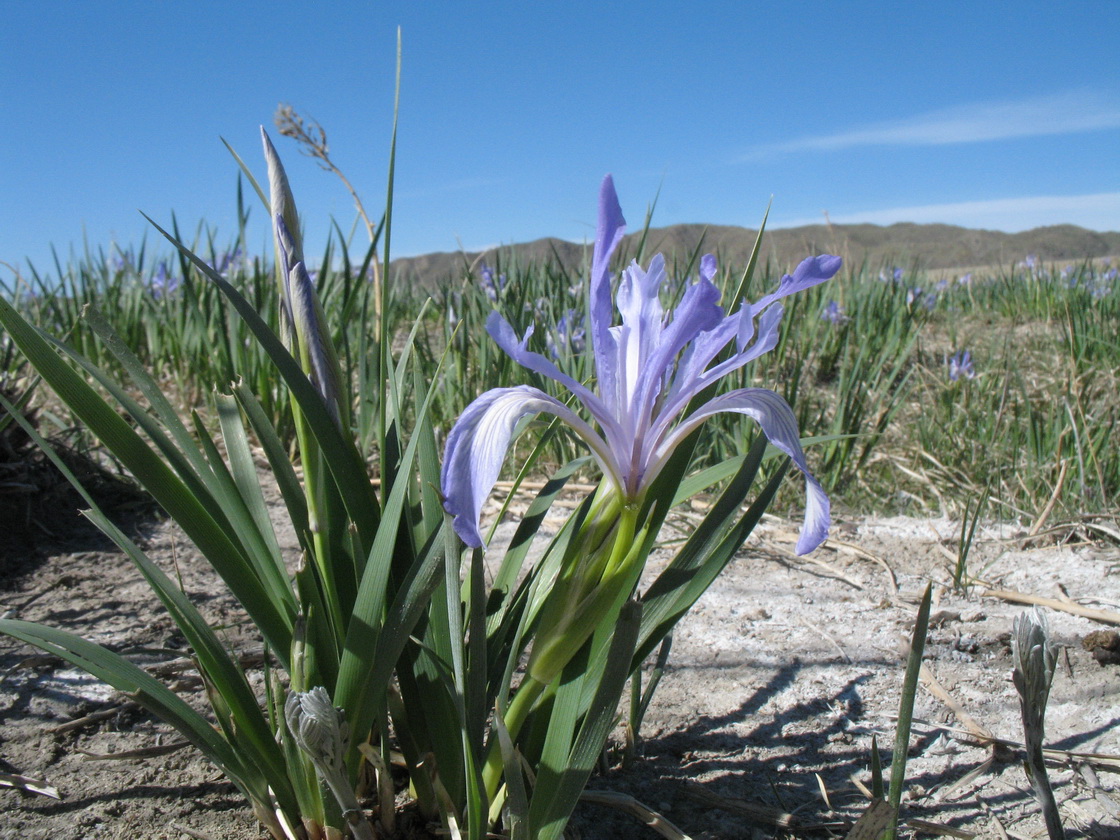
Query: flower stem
{"points": [[527, 694]]}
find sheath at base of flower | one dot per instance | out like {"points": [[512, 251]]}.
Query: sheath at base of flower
{"points": [[649, 368]]}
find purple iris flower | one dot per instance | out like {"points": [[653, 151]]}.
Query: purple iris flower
{"points": [[568, 336], [960, 364], [228, 262], [121, 261], [649, 368], [895, 276], [834, 313], [163, 282], [492, 285]]}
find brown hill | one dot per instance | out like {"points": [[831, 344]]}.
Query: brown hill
{"points": [[932, 246]]}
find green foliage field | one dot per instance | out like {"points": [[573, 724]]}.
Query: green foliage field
{"points": [[864, 359]]}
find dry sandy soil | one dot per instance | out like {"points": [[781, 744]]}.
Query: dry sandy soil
{"points": [[777, 683]]}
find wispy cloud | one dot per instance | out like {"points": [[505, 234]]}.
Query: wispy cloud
{"points": [[1065, 113], [1098, 211], [453, 186]]}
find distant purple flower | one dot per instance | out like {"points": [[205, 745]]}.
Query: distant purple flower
{"points": [[1031, 261], [649, 368], [914, 295], [569, 335], [960, 364], [965, 279], [229, 262], [834, 313], [121, 261], [163, 282], [492, 285]]}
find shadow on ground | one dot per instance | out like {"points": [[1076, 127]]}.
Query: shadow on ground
{"points": [[41, 511]]}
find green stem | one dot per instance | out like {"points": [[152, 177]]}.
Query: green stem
{"points": [[582, 597], [584, 594], [527, 694]]}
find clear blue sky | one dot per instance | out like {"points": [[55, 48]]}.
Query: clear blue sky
{"points": [[1003, 115]]}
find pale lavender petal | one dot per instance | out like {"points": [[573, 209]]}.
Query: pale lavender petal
{"points": [[635, 341], [776, 418], [638, 298], [692, 375], [697, 314], [767, 336], [517, 349], [698, 355], [477, 446], [607, 236]]}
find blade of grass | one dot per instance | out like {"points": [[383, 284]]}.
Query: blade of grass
{"points": [[906, 711]]}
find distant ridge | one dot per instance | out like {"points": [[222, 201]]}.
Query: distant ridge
{"points": [[931, 246]]}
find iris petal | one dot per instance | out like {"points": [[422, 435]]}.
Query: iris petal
{"points": [[607, 236], [479, 441], [777, 421], [696, 315], [707, 267], [810, 272]]}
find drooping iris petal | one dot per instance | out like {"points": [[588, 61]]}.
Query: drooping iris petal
{"points": [[479, 441], [517, 349], [777, 421], [699, 354]]}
